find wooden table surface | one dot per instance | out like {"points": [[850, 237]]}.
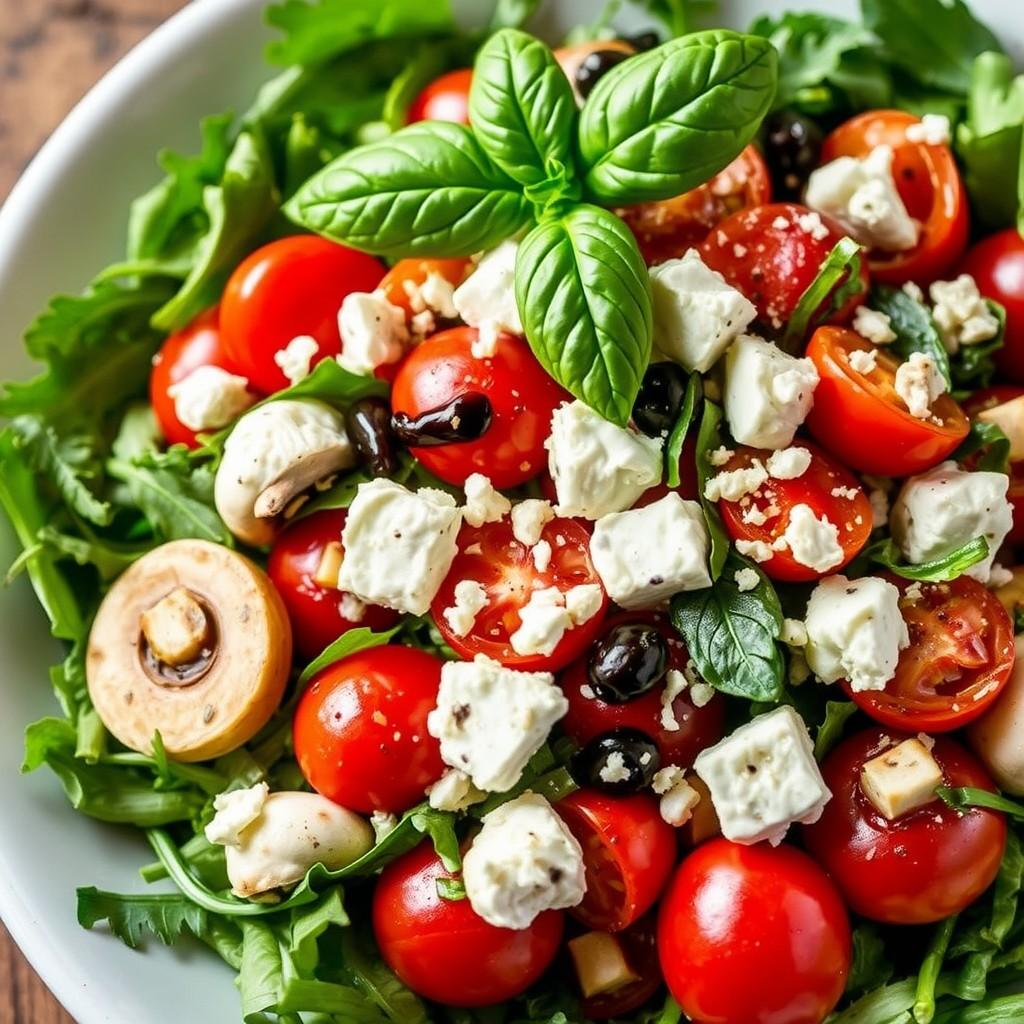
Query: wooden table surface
{"points": [[51, 52]]}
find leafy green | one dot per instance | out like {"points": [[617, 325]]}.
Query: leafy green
{"points": [[680, 16], [989, 439], [512, 13], [677, 436], [709, 439], [838, 279], [871, 967], [938, 570], [962, 798], [440, 826], [360, 639], [911, 321], [973, 366], [931, 967], [368, 973], [167, 916], [830, 732]]}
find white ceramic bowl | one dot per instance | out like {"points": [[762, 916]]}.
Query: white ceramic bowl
{"points": [[64, 220]]}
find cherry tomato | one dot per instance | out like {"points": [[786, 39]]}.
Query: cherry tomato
{"points": [[924, 866], [929, 183], [443, 950], [997, 264], [639, 944], [767, 255], [360, 730], [589, 716], [666, 229], [628, 853], [826, 487], [444, 99], [492, 556], [315, 608], [291, 287], [860, 418], [959, 659], [521, 394], [186, 350], [408, 275], [753, 935]]}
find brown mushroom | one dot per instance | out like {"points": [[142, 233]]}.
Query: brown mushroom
{"points": [[194, 641]]}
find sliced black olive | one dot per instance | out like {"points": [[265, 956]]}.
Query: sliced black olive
{"points": [[594, 65], [657, 405], [629, 660], [792, 148], [464, 418], [621, 761], [644, 41], [368, 424]]}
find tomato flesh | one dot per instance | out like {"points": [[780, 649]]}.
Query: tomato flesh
{"points": [[444, 99]]}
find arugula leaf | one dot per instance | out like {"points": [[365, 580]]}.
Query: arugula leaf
{"points": [[989, 439], [709, 438], [368, 973], [677, 436], [584, 296], [360, 639], [731, 634], [167, 916], [872, 966], [912, 323], [838, 279], [440, 826], [308, 924], [938, 570], [109, 558]]}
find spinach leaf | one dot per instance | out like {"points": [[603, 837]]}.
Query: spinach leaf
{"points": [[731, 634], [677, 436], [709, 438], [669, 119], [429, 189], [522, 108], [938, 570], [584, 296], [837, 280], [989, 439], [912, 323], [168, 916]]}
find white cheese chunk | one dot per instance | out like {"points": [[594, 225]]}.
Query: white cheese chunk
{"points": [[399, 545], [454, 791], [763, 778], [938, 511], [491, 720], [812, 541], [543, 621], [529, 519], [768, 393], [789, 463], [598, 467], [901, 779], [210, 398], [864, 360], [435, 294], [919, 383], [470, 600], [734, 484], [697, 314], [583, 602], [296, 358], [962, 316], [601, 965], [932, 129], [523, 861], [855, 631], [678, 797], [746, 579], [874, 325], [351, 608], [236, 811], [484, 504], [486, 300], [373, 332], [757, 550]]}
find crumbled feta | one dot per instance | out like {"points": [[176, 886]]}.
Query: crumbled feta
{"points": [[483, 503], [351, 608], [813, 225], [529, 519], [864, 360], [874, 325], [541, 555], [812, 542], [543, 621], [746, 579], [486, 300], [999, 576], [720, 456], [678, 797], [919, 383], [789, 463], [437, 294], [794, 633], [583, 602], [901, 779], [962, 316], [757, 550], [209, 398], [734, 484], [296, 358], [373, 332], [701, 694], [932, 129], [454, 791], [614, 768], [470, 600], [675, 683], [236, 810], [383, 824]]}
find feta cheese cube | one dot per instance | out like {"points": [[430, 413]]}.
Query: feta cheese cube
{"points": [[491, 720], [763, 777], [399, 545], [768, 393], [454, 791], [470, 600], [812, 541], [855, 631], [938, 511], [373, 332], [696, 313], [209, 398], [788, 463], [598, 467], [919, 383], [529, 519], [646, 555], [483, 503], [901, 779], [874, 325], [962, 316], [543, 621], [486, 300], [296, 358]]}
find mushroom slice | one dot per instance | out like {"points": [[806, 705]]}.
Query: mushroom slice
{"points": [[273, 456], [194, 641]]}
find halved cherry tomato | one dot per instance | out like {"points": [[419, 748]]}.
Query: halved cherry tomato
{"points": [[639, 944], [924, 866], [860, 418], [315, 609], [771, 258], [959, 659], [360, 730], [444, 99], [492, 556], [753, 935], [589, 716], [521, 394], [628, 853], [293, 286], [408, 275], [826, 487], [929, 183], [668, 228], [443, 950]]}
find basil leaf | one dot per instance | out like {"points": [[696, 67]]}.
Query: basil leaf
{"points": [[512, 13], [674, 446], [731, 634], [989, 439], [709, 438], [938, 570], [973, 366], [522, 108], [584, 296], [837, 281], [667, 120], [912, 323], [830, 732], [350, 642], [427, 189]]}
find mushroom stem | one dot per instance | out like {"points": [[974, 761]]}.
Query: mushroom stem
{"points": [[176, 628]]}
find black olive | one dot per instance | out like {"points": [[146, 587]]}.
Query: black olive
{"points": [[593, 66], [621, 761], [792, 147], [368, 424], [661, 397], [644, 41], [629, 660], [464, 418]]}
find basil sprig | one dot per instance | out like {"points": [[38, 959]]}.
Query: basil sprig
{"points": [[939, 570], [837, 280], [655, 126]]}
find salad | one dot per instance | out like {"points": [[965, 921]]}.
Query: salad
{"points": [[535, 530]]}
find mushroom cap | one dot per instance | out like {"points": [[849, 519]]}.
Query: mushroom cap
{"points": [[231, 695], [282, 448]]}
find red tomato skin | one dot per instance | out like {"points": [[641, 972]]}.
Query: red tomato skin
{"points": [[360, 729], [624, 838], [290, 287], [997, 264], [444, 99], [315, 611], [753, 935], [443, 950], [923, 867], [522, 396]]}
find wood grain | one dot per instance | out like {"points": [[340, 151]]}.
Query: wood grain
{"points": [[51, 53]]}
